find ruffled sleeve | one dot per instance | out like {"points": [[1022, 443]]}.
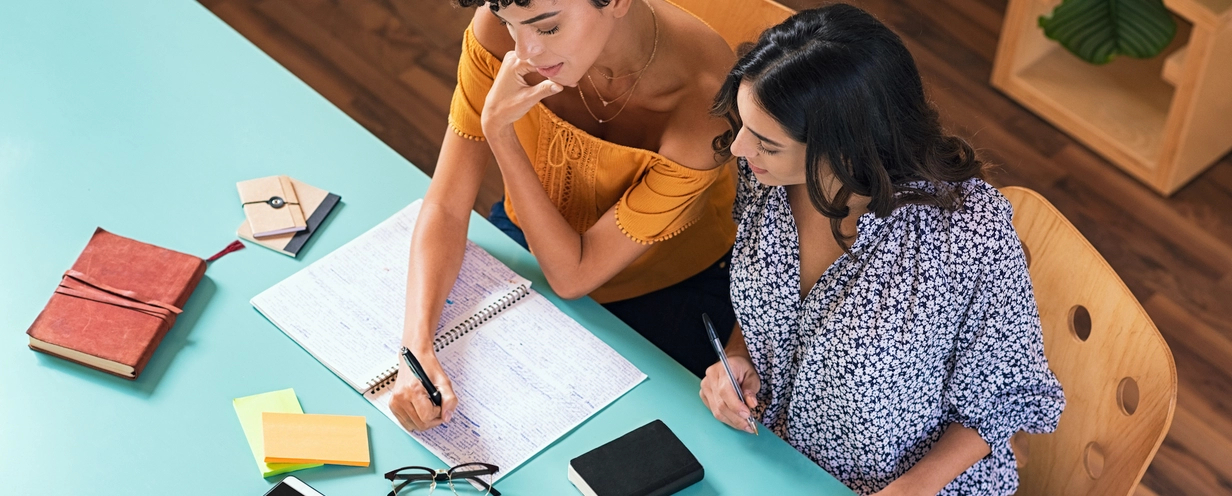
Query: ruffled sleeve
{"points": [[1001, 382], [477, 69], [664, 201]]}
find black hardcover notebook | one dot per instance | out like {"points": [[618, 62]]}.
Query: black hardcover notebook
{"points": [[649, 461]]}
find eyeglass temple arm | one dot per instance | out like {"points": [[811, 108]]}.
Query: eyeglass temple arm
{"points": [[393, 474]]}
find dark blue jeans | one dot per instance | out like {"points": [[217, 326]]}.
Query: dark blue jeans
{"points": [[671, 317]]}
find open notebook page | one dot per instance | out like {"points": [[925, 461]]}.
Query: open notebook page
{"points": [[347, 309], [523, 380]]}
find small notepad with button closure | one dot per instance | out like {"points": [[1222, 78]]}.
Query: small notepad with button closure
{"points": [[271, 206]]}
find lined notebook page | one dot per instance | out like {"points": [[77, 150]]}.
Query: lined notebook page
{"points": [[347, 309], [523, 380]]}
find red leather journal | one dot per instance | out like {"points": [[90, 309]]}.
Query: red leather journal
{"points": [[115, 305]]}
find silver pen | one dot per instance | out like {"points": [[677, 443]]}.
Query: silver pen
{"points": [[718, 348]]}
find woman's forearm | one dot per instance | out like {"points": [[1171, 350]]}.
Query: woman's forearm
{"points": [[957, 450], [439, 241], [570, 261], [436, 252]]}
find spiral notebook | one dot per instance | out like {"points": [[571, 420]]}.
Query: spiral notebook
{"points": [[524, 372]]}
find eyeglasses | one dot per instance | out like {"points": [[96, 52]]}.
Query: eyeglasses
{"points": [[478, 475]]}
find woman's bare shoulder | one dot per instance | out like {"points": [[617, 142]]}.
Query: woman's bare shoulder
{"points": [[702, 47], [490, 33], [703, 59]]}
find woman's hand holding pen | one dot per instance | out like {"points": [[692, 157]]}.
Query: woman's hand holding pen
{"points": [[410, 402], [718, 395]]}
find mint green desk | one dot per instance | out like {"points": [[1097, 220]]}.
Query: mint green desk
{"points": [[139, 116]]}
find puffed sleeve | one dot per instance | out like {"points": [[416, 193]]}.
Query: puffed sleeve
{"points": [[477, 69], [665, 200], [1001, 382]]}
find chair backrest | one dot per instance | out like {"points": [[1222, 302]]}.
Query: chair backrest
{"points": [[1116, 370], [737, 21]]}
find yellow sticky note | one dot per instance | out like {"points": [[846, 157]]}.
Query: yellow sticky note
{"points": [[249, 409], [306, 438]]}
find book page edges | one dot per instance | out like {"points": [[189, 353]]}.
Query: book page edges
{"points": [[579, 482], [91, 361]]}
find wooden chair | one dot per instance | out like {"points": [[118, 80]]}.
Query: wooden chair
{"points": [[1116, 369], [737, 21]]}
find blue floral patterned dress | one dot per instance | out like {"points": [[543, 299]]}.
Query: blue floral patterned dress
{"points": [[930, 321]]}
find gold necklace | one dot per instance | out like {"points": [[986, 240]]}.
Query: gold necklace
{"points": [[629, 93], [639, 71], [606, 102]]}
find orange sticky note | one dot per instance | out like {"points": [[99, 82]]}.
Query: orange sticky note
{"points": [[310, 438]]}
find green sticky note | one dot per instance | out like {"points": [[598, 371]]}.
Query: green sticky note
{"points": [[249, 409]]}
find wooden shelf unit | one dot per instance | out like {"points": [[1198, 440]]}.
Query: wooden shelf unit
{"points": [[1162, 120]]}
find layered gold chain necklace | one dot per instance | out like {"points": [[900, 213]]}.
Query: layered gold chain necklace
{"points": [[629, 92]]}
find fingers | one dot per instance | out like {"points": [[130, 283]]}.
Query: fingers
{"points": [[746, 375], [403, 406], [510, 60], [405, 420], [715, 407], [545, 89], [518, 67], [724, 393], [521, 68], [449, 402], [511, 97], [717, 394], [412, 406], [751, 386], [428, 413], [735, 412]]}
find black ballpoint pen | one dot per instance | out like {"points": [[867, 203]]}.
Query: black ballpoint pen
{"points": [[417, 369]]}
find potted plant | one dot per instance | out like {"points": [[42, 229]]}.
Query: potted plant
{"points": [[1099, 30]]}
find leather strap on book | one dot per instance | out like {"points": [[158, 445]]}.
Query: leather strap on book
{"points": [[234, 246], [77, 284]]}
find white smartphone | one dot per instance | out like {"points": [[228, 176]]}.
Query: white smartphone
{"points": [[292, 486]]}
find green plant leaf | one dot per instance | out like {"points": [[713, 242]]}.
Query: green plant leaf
{"points": [[1099, 30]]}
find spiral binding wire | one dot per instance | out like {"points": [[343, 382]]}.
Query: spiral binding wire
{"points": [[474, 321], [386, 379], [382, 380]]}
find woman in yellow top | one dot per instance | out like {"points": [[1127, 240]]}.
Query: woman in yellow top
{"points": [[597, 114]]}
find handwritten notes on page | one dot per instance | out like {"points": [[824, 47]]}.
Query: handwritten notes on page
{"points": [[525, 373], [523, 380], [347, 309]]}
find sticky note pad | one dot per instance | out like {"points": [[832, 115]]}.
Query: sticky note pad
{"points": [[307, 438], [249, 409]]}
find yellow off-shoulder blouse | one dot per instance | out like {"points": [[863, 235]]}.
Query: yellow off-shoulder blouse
{"points": [[683, 213]]}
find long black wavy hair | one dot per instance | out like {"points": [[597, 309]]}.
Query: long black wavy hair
{"points": [[496, 5], [842, 83]]}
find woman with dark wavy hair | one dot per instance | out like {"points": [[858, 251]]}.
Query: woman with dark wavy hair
{"points": [[886, 323], [597, 112]]}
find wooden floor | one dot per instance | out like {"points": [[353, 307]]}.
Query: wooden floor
{"points": [[391, 64]]}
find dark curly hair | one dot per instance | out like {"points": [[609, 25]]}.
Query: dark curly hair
{"points": [[842, 83], [496, 5]]}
